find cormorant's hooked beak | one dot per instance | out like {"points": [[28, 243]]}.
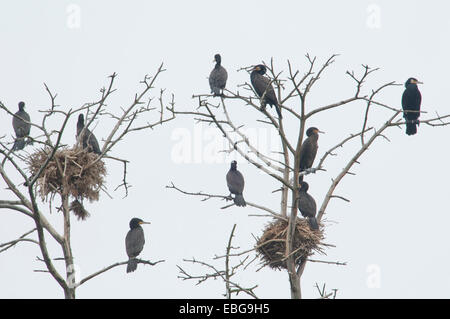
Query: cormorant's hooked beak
{"points": [[418, 82], [142, 222], [319, 131]]}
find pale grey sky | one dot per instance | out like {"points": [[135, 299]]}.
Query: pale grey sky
{"points": [[396, 222]]}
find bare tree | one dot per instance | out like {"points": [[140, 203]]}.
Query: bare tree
{"points": [[60, 172], [324, 294], [231, 286], [293, 92]]}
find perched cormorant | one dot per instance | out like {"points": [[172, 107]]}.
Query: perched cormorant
{"points": [[308, 149], [22, 127], [88, 140], [218, 77], [134, 242], [307, 205], [235, 182], [263, 85], [411, 100]]}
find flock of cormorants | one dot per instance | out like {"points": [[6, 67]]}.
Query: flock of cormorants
{"points": [[262, 85]]}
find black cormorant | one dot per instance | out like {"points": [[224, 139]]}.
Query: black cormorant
{"points": [[235, 182], [218, 77], [307, 205], [263, 85], [88, 140], [22, 127], [134, 242], [308, 149], [411, 100]]}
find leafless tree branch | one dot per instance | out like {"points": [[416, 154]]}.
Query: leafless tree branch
{"points": [[231, 287], [296, 89], [22, 238], [103, 270], [25, 202]]}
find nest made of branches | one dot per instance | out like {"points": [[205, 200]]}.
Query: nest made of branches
{"points": [[271, 246], [71, 171]]}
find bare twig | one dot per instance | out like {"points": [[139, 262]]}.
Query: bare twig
{"points": [[22, 238], [97, 273]]}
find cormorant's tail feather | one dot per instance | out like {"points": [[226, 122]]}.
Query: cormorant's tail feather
{"points": [[313, 223], [278, 111], [19, 144], [97, 151], [26, 183], [240, 201], [132, 265], [411, 127]]}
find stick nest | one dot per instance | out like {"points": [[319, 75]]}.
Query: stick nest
{"points": [[271, 246], [71, 171]]}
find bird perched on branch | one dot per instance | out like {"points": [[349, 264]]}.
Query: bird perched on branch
{"points": [[235, 182], [308, 149], [263, 87], [307, 205], [88, 139], [134, 242], [411, 100], [218, 77], [22, 127]]}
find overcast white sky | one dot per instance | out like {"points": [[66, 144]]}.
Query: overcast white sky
{"points": [[393, 233]]}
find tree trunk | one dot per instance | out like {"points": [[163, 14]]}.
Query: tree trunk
{"points": [[294, 280], [69, 292]]}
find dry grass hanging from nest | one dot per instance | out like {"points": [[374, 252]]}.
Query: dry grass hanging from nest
{"points": [[78, 209], [70, 172], [272, 244]]}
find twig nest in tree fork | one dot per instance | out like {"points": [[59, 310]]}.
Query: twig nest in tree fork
{"points": [[271, 246], [71, 171]]}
